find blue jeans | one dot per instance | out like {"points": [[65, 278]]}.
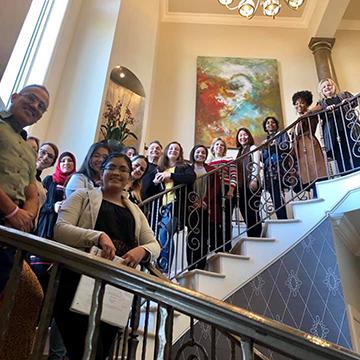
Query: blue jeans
{"points": [[167, 230], [57, 350]]}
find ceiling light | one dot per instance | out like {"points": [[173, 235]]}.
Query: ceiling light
{"points": [[247, 8]]}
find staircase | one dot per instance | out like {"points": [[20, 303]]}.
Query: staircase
{"points": [[252, 255], [226, 273]]}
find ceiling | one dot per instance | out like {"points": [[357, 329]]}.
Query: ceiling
{"points": [[211, 12], [214, 7]]}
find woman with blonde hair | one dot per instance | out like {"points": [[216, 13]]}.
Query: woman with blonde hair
{"points": [[341, 132]]}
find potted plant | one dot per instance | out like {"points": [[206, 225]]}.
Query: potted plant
{"points": [[116, 128]]}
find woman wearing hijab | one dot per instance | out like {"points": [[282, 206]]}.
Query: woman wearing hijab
{"points": [[54, 184]]}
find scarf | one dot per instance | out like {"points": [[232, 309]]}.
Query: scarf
{"points": [[58, 176]]}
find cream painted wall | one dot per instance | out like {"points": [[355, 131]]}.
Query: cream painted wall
{"points": [[173, 100], [76, 106], [346, 58], [135, 44]]}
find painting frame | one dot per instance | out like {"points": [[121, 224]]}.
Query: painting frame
{"points": [[232, 93]]}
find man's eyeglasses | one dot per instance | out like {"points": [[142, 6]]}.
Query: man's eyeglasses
{"points": [[32, 98]]}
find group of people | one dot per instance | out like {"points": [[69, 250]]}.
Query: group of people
{"points": [[112, 200]]}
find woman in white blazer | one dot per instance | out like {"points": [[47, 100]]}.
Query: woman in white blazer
{"points": [[106, 218]]}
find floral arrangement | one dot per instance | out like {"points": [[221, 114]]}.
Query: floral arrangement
{"points": [[117, 122]]}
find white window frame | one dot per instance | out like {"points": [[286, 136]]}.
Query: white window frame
{"points": [[31, 56]]}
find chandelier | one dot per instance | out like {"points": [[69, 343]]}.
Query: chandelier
{"points": [[247, 8]]}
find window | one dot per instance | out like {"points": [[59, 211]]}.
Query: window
{"points": [[32, 53]]}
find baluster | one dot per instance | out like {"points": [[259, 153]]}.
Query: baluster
{"points": [[10, 291], [134, 324], [163, 334], [94, 321], [247, 348], [47, 310], [146, 327], [213, 342]]}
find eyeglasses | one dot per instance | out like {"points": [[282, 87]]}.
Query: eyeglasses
{"points": [[32, 98], [44, 153], [113, 168]]}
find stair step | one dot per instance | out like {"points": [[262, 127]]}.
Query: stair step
{"points": [[270, 222], [198, 272], [194, 280], [236, 250], [281, 221], [218, 255], [222, 262], [304, 202]]}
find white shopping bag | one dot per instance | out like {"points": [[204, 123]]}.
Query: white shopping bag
{"points": [[116, 302]]}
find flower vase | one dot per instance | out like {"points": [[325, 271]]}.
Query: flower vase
{"points": [[115, 145]]}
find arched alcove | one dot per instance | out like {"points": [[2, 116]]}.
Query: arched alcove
{"points": [[125, 86]]}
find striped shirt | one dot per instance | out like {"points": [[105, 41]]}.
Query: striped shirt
{"points": [[229, 173]]}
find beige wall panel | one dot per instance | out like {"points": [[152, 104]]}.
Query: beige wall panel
{"points": [[172, 114]]}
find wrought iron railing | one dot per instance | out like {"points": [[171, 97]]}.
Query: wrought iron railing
{"points": [[317, 146], [243, 329]]}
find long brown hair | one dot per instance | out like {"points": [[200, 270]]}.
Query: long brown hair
{"points": [[136, 185], [164, 160], [250, 141]]}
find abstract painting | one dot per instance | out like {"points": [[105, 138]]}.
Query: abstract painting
{"points": [[233, 93]]}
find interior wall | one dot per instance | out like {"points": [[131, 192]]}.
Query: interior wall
{"points": [[12, 16], [349, 265], [346, 55], [172, 115], [135, 46], [76, 107]]}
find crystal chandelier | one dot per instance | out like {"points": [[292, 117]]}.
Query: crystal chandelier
{"points": [[247, 8]]}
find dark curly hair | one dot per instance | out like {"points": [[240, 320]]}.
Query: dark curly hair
{"points": [[305, 95], [268, 118]]}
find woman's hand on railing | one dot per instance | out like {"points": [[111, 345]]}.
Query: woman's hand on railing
{"points": [[134, 256], [330, 107], [230, 194], [253, 184], [161, 177], [107, 247]]}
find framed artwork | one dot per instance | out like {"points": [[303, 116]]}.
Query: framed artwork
{"points": [[232, 93]]}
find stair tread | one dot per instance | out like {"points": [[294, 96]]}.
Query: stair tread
{"points": [[309, 201], [281, 221], [203, 272], [235, 249], [229, 255], [260, 239]]}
